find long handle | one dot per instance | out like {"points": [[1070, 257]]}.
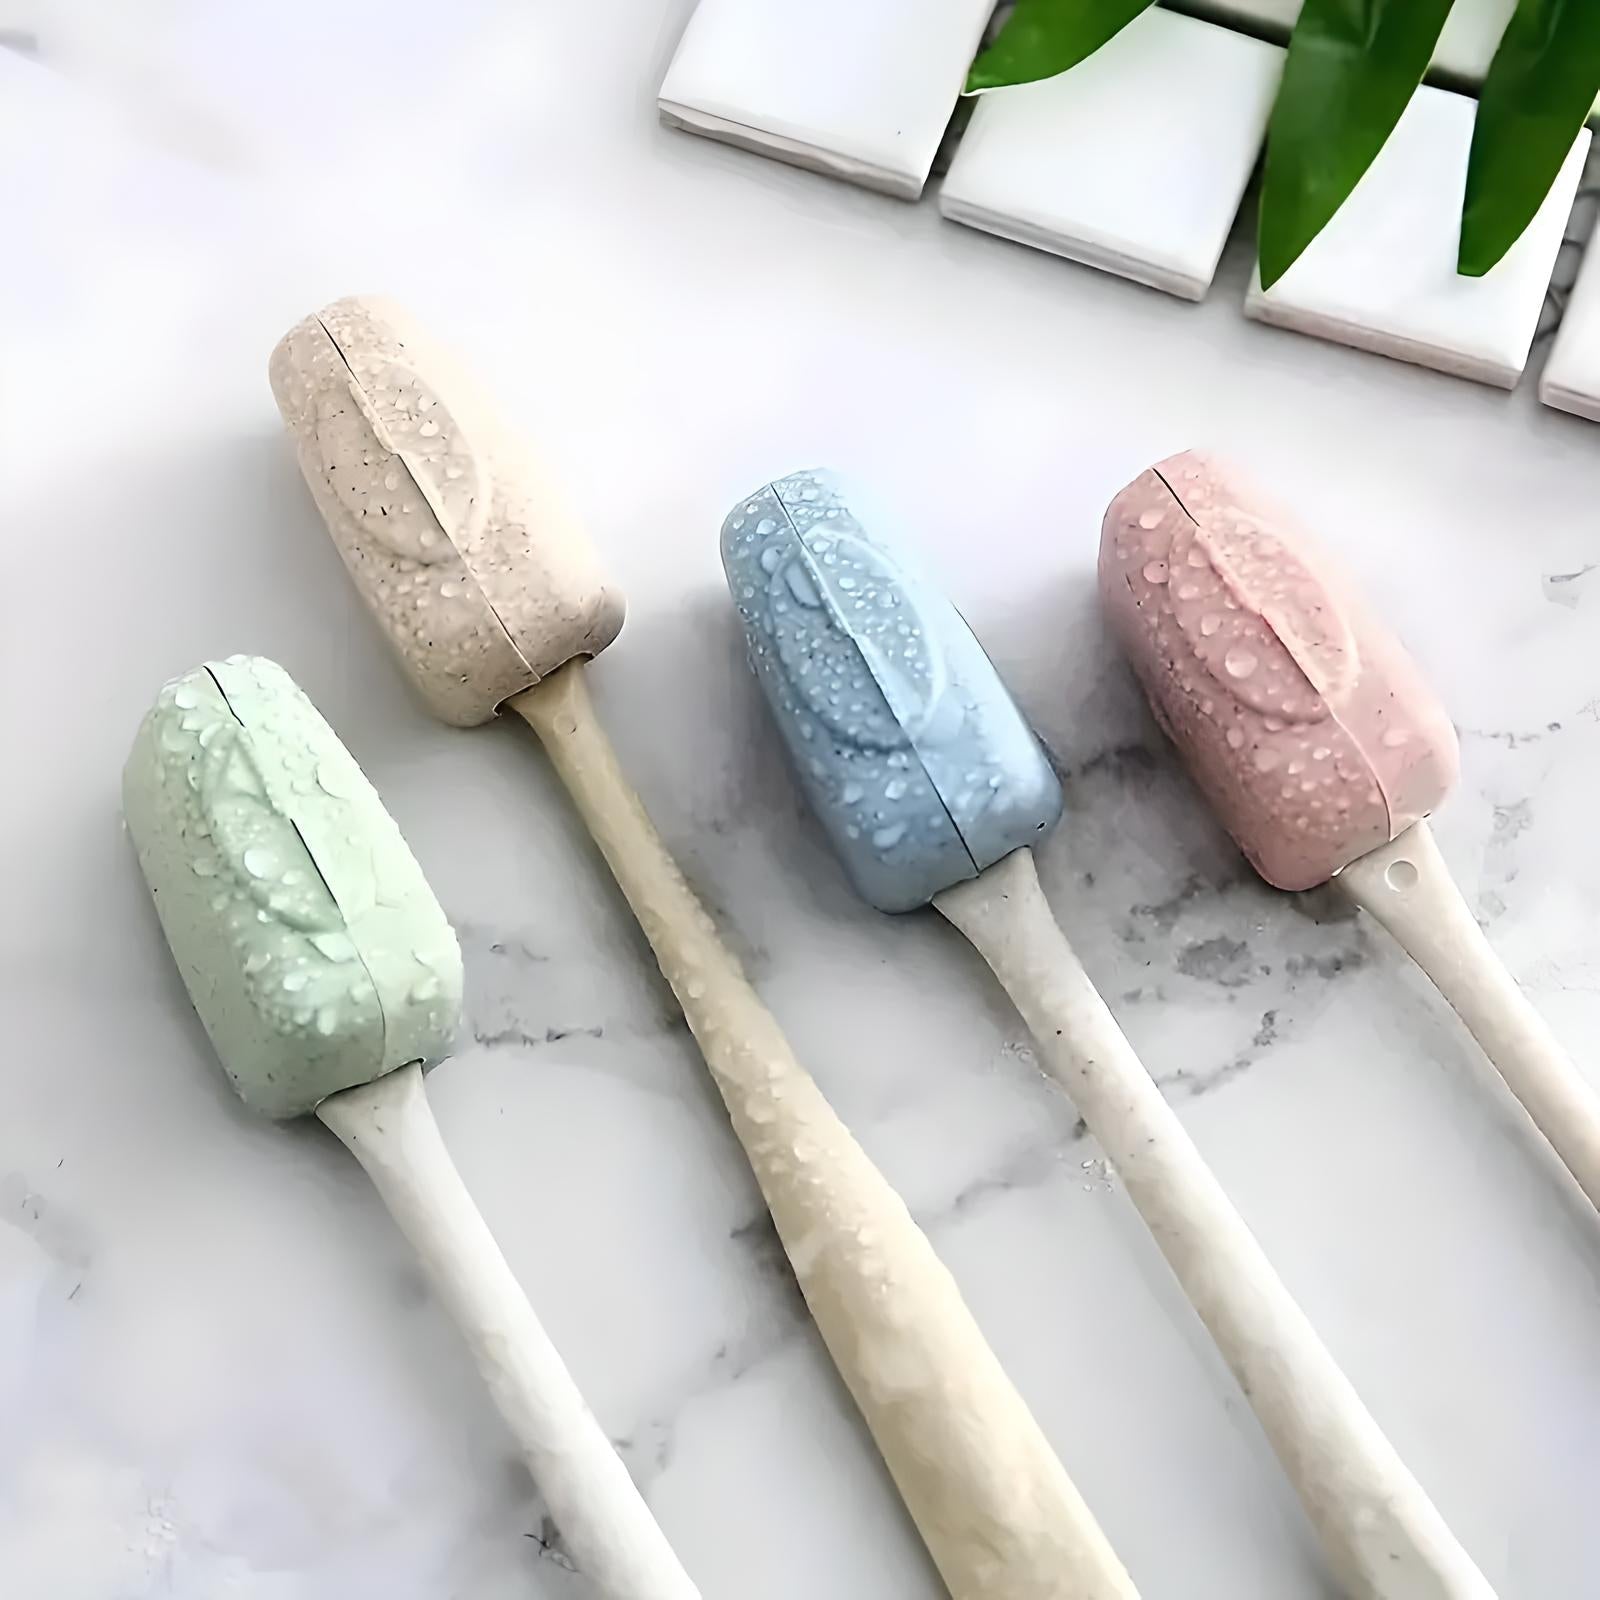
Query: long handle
{"points": [[1408, 888], [606, 1526], [1383, 1537], [995, 1507]]}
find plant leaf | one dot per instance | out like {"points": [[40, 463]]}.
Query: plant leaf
{"points": [[1044, 37], [1352, 67], [1541, 85]]}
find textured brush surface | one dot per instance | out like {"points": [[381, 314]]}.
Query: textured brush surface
{"points": [[915, 758], [311, 944], [1301, 717], [456, 539]]}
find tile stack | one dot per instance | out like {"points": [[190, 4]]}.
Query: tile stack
{"points": [[1136, 162]]}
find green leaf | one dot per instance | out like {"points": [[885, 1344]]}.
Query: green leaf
{"points": [[1352, 67], [1044, 37], [1541, 85]]}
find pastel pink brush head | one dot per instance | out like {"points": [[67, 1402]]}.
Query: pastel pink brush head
{"points": [[1300, 716]]}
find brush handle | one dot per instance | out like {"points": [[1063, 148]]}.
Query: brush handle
{"points": [[1407, 886], [1383, 1538], [605, 1524], [995, 1507]]}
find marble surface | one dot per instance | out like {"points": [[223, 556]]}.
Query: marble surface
{"points": [[220, 1377]]}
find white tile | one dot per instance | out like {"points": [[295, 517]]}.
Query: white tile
{"points": [[1466, 46], [861, 89], [1571, 378], [1134, 161], [1382, 275]]}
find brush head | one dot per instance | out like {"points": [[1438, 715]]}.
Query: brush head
{"points": [[457, 541], [308, 938], [910, 750], [1300, 716]]}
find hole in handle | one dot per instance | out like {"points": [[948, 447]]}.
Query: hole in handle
{"points": [[1401, 875]]}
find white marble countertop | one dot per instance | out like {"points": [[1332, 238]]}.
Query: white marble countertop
{"points": [[220, 1376]]}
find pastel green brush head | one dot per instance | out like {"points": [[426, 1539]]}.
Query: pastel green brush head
{"points": [[310, 942]]}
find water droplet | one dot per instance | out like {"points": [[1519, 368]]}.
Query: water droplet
{"points": [[428, 429], [1235, 737], [1239, 663], [204, 866], [847, 584], [1267, 759], [1321, 753], [327, 1019], [894, 789], [1210, 623], [1150, 519], [259, 862], [1188, 591], [888, 838], [256, 960], [1155, 572], [424, 989], [771, 557], [1394, 738], [1295, 768], [184, 698], [851, 793], [1198, 557], [766, 525], [800, 585], [295, 982], [332, 780], [335, 946]]}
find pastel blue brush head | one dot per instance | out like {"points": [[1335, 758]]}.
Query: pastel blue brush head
{"points": [[910, 750]]}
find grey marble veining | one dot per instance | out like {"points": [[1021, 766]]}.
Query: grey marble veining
{"points": [[220, 1375]]}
